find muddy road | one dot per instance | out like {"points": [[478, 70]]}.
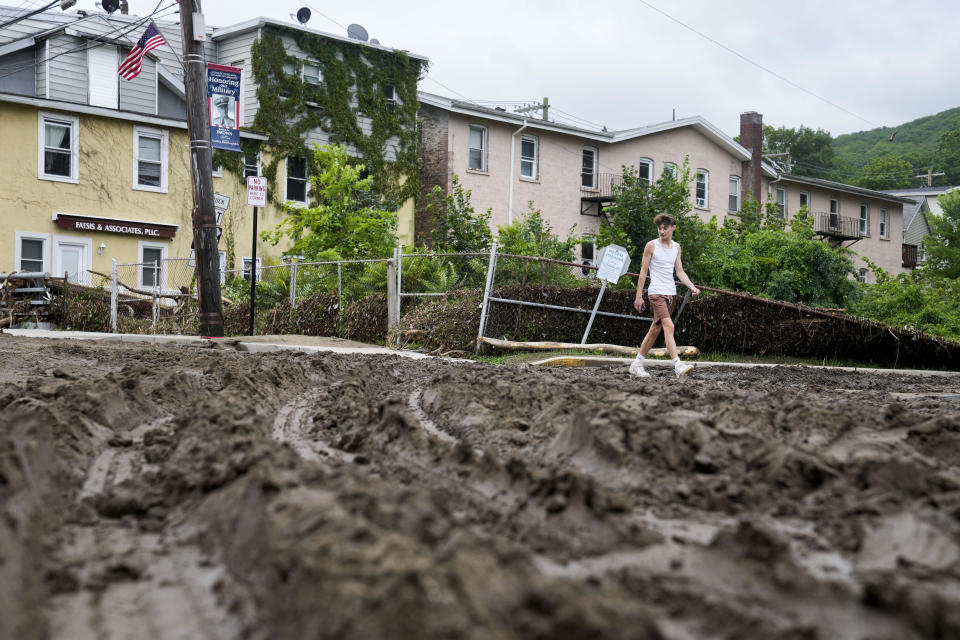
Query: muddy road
{"points": [[187, 492]]}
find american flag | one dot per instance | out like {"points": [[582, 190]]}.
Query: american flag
{"points": [[151, 39]]}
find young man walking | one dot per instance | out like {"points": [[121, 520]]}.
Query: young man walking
{"points": [[661, 257]]}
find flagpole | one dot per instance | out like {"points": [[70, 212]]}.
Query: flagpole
{"points": [[201, 160]]}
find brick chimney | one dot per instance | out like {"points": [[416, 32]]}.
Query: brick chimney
{"points": [[751, 137]]}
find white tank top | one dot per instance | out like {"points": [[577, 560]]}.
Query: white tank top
{"points": [[661, 269]]}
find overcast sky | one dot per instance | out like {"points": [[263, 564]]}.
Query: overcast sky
{"points": [[623, 63]]}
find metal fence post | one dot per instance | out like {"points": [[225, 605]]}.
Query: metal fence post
{"points": [[392, 306], [293, 283], [491, 268], [339, 287], [399, 279], [113, 295]]}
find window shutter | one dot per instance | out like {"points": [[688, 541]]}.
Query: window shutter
{"points": [[104, 80]]}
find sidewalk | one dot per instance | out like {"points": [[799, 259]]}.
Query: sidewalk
{"points": [[253, 344]]}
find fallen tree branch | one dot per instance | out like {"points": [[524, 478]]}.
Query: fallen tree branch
{"points": [[510, 345], [175, 296]]}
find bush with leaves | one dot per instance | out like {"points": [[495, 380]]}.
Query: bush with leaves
{"points": [[454, 225], [943, 246], [347, 222], [531, 235]]}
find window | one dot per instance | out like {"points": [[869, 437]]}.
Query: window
{"points": [[884, 227], [251, 165], [296, 180], [478, 148], [59, 154], [781, 203], [588, 175], [149, 159], [246, 268], [864, 220], [834, 214], [222, 257], [153, 271], [733, 203], [217, 171], [31, 252], [703, 188], [528, 157], [312, 74], [587, 251], [645, 170], [804, 199], [670, 169], [862, 275], [390, 95], [103, 87]]}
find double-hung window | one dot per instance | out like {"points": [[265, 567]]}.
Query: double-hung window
{"points": [[733, 203], [781, 203], [152, 266], [31, 252], [528, 157], [703, 188], [884, 224], [804, 199], [478, 148], [312, 74], [59, 153], [645, 171], [390, 95], [296, 180], [834, 214], [864, 220], [251, 164], [247, 263], [588, 174], [670, 169], [149, 159]]}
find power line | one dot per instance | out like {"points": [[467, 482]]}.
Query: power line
{"points": [[324, 15], [758, 65]]}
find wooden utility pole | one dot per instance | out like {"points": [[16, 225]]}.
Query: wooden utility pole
{"points": [[201, 165], [929, 176]]}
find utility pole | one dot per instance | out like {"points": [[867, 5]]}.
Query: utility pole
{"points": [[201, 165], [543, 107], [930, 176]]}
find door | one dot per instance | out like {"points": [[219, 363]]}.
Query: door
{"points": [[71, 259]]}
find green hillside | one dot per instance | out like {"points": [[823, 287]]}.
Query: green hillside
{"points": [[917, 139]]}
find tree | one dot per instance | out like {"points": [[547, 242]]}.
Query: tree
{"points": [[811, 152], [948, 156], [454, 226], [348, 221], [943, 246], [531, 235], [887, 172]]}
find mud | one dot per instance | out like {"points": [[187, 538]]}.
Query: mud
{"points": [[187, 492]]}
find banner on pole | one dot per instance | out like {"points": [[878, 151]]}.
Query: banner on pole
{"points": [[223, 105]]}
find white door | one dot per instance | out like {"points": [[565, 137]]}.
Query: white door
{"points": [[71, 259]]}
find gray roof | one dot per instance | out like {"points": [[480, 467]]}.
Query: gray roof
{"points": [[847, 188], [919, 191]]}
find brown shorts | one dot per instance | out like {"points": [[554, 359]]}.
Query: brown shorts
{"points": [[662, 306]]}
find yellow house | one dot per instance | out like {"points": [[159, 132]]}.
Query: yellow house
{"points": [[97, 167]]}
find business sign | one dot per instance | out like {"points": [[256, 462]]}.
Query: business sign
{"points": [[109, 225], [223, 104], [257, 191], [614, 262]]}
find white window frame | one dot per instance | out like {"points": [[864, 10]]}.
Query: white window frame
{"points": [[243, 159], [532, 161], [103, 80], [734, 192], [222, 261], [86, 243], [704, 202], [164, 248], [780, 196], [864, 219], [74, 124], [483, 147], [164, 138], [303, 75], [671, 168], [805, 194], [306, 181], [47, 240], [592, 260], [884, 224], [834, 211], [863, 274], [648, 163], [390, 96], [596, 162], [245, 265]]}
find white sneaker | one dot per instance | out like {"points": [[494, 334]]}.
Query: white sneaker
{"points": [[682, 369], [636, 369]]}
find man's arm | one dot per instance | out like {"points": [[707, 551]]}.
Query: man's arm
{"points": [[682, 275], [642, 280]]}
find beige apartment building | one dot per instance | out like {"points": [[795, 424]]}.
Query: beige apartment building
{"points": [[508, 160]]}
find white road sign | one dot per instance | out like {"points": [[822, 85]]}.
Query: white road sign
{"points": [[257, 191], [614, 262]]}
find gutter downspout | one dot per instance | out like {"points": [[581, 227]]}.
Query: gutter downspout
{"points": [[513, 167]]}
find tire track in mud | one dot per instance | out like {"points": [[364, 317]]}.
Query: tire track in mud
{"points": [[118, 581]]}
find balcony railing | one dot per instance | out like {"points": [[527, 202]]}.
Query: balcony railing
{"points": [[909, 256], [600, 186], [837, 226]]}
